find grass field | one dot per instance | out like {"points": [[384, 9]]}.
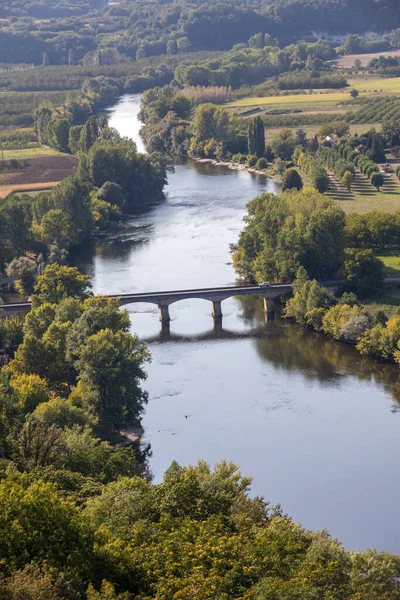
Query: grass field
{"points": [[30, 153], [347, 62], [391, 260], [363, 197], [372, 85], [323, 98]]}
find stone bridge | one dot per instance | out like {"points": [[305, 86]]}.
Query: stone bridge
{"points": [[215, 295]]}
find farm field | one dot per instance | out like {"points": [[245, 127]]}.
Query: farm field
{"points": [[390, 85], [27, 153], [320, 99], [31, 188], [324, 100], [42, 172], [347, 62]]}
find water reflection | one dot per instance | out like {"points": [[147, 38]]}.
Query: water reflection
{"points": [[311, 420]]}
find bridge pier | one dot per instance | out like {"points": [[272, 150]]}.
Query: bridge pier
{"points": [[164, 314], [269, 309], [217, 310]]}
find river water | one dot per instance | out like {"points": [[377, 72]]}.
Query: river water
{"points": [[316, 425]]}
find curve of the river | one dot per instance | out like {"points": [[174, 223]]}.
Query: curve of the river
{"points": [[316, 425]]}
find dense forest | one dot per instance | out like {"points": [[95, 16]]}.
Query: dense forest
{"points": [[100, 33]]}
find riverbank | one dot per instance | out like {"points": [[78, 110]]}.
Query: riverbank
{"points": [[230, 165]]}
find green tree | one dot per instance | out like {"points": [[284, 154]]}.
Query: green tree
{"points": [[291, 180], [37, 525], [31, 390], [347, 180], [363, 271], [58, 282], [377, 180], [183, 44], [59, 134], [110, 371], [74, 137], [320, 180], [377, 150], [284, 144], [256, 137], [289, 230]]}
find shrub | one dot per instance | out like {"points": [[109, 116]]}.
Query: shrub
{"points": [[262, 163]]}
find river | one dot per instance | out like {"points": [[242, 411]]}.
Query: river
{"points": [[315, 424]]}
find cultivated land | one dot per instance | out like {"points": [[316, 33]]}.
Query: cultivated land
{"points": [[30, 188], [42, 171], [27, 153], [347, 62]]}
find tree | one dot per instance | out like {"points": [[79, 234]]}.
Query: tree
{"points": [[39, 444], [259, 137], [363, 270], [171, 47], [347, 180], [31, 390], [308, 296], [183, 44], [110, 370], [37, 525], [284, 144], [289, 230], [55, 228], [59, 134], [320, 179], [377, 151], [354, 93], [111, 192], [377, 180], [301, 138], [58, 282], [74, 137], [291, 180]]}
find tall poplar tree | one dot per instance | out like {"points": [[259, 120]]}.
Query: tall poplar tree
{"points": [[256, 137]]}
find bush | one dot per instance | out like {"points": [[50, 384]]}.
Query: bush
{"points": [[292, 180], [262, 163], [252, 160]]}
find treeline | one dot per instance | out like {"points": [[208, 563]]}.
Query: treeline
{"points": [[48, 9], [140, 31], [202, 94], [112, 178], [372, 332], [311, 80], [306, 229], [314, 168], [252, 65]]}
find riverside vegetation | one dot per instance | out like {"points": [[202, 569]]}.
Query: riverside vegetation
{"points": [[80, 517]]}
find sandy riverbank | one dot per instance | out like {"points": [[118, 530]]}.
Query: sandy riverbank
{"points": [[230, 165]]}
